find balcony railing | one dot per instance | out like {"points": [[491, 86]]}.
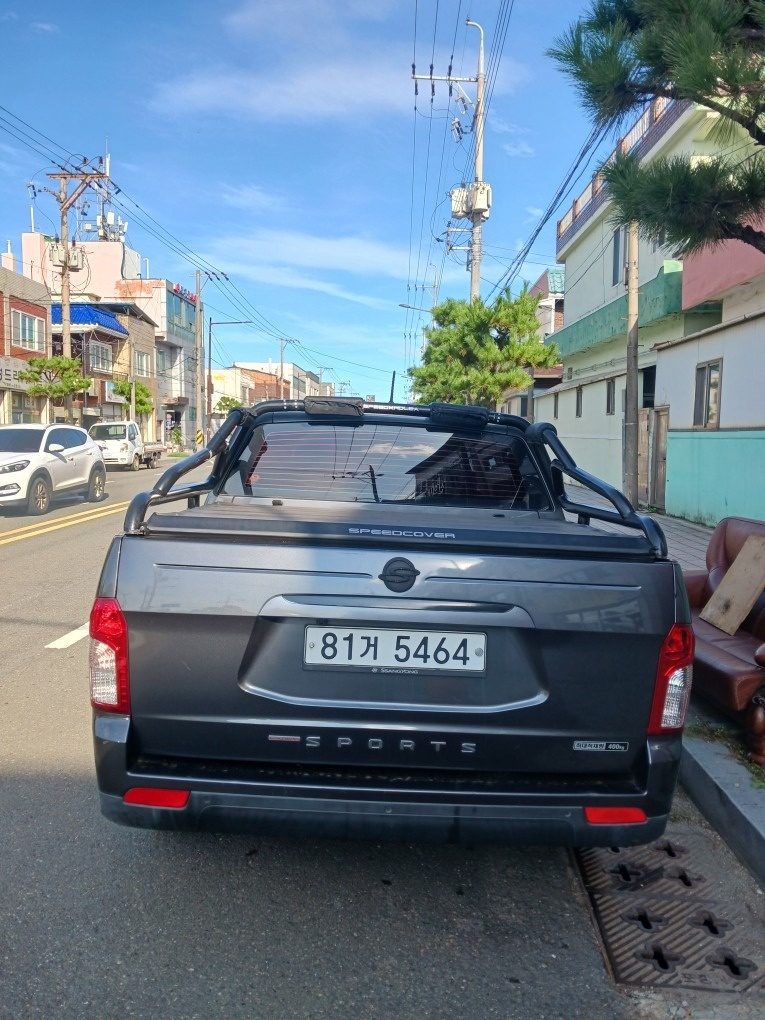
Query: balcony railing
{"points": [[656, 120]]}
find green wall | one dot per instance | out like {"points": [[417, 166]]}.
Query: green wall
{"points": [[711, 475]]}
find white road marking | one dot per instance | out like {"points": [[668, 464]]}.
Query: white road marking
{"points": [[71, 638]]}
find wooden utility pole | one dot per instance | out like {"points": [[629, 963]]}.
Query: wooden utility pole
{"points": [[631, 396], [66, 201], [281, 368]]}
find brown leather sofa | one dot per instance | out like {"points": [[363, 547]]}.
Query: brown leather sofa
{"points": [[729, 672]]}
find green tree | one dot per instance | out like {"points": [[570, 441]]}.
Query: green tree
{"points": [[476, 351], [56, 378], [227, 404], [622, 54], [144, 405]]}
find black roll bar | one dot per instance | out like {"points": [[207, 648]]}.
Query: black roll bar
{"points": [[165, 489]]}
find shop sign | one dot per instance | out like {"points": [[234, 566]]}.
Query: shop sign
{"points": [[9, 373], [111, 397], [188, 295]]}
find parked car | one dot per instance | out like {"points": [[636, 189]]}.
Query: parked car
{"points": [[377, 621], [123, 445], [40, 461]]}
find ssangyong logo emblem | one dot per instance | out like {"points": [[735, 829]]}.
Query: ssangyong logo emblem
{"points": [[399, 574]]}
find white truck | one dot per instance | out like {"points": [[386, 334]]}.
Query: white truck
{"points": [[123, 445]]}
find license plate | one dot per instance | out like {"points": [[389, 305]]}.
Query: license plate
{"points": [[394, 649]]}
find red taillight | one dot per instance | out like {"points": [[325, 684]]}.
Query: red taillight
{"points": [[109, 676], [672, 690], [614, 815], [148, 796]]}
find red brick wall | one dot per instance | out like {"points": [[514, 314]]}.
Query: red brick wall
{"points": [[5, 342], [265, 385]]}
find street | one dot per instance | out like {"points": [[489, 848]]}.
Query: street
{"points": [[102, 921]]}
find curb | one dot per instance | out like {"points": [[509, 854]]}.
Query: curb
{"points": [[722, 790]]}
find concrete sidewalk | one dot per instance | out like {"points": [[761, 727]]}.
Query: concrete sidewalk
{"points": [[722, 788]]}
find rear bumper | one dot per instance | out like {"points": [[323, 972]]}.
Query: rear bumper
{"points": [[269, 802], [309, 817]]}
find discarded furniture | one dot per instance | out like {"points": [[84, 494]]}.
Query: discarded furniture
{"points": [[729, 670]]}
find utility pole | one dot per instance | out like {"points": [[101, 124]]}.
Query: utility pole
{"points": [[631, 396], [66, 201], [477, 215], [199, 378], [282, 342], [472, 202], [131, 375]]}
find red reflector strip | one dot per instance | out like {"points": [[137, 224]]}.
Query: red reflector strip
{"points": [[614, 815], [154, 797]]}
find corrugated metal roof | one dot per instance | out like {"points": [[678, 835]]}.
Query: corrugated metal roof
{"points": [[88, 315]]}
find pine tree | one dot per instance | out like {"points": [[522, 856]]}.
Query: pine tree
{"points": [[227, 404], [475, 351], [55, 378], [624, 53]]}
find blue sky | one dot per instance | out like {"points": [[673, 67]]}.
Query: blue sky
{"points": [[279, 143]]}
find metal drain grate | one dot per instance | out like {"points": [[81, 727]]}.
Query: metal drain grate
{"points": [[662, 921]]}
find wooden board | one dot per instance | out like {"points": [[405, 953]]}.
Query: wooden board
{"points": [[739, 589]]}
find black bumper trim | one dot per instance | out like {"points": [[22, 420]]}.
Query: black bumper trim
{"points": [[301, 817]]}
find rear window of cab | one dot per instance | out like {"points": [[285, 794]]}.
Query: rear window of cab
{"points": [[387, 464]]}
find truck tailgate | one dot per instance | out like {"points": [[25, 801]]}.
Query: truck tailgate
{"points": [[550, 661]]}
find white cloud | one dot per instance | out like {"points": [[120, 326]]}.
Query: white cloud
{"points": [[323, 60], [44, 26], [520, 148], [345, 88], [505, 127], [252, 198], [533, 212], [9, 16], [300, 261], [355, 255], [284, 276], [310, 25]]}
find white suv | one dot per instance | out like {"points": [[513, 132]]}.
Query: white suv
{"points": [[38, 461]]}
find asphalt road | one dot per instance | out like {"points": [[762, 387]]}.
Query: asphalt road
{"points": [[101, 921]]}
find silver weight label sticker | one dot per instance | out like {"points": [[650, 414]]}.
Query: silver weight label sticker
{"points": [[601, 745]]}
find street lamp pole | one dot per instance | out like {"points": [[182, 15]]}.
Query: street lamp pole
{"points": [[223, 322]]}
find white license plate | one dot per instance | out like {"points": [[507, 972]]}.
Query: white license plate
{"points": [[394, 649]]}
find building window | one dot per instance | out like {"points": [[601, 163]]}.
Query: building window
{"points": [[163, 361], [27, 331], [579, 401], [648, 376], [610, 396], [555, 405], [24, 409], [617, 269], [706, 407], [142, 363], [99, 357]]}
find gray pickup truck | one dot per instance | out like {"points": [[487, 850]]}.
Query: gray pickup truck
{"points": [[389, 622]]}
